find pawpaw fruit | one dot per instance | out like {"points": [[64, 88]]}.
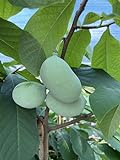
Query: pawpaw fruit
{"points": [[59, 78], [29, 94], [66, 109]]}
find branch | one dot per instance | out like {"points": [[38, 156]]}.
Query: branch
{"points": [[17, 69], [94, 27], [63, 125], [73, 27], [45, 135]]}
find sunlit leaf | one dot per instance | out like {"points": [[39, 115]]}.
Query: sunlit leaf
{"points": [[91, 17], [9, 39], [31, 54], [106, 55], [49, 30], [34, 3], [7, 10], [110, 122], [77, 47]]}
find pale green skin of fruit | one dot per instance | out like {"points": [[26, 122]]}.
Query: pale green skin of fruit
{"points": [[61, 81], [29, 94], [66, 109]]}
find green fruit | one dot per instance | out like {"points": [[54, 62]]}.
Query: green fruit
{"points": [[66, 109], [61, 81], [29, 94]]}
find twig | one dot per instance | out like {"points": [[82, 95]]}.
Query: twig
{"points": [[17, 69], [73, 27], [94, 27], [63, 125]]}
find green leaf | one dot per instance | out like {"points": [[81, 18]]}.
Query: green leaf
{"points": [[115, 6], [18, 135], [117, 134], [21, 46], [106, 55], [89, 52], [53, 142], [104, 102], [2, 71], [81, 146], [7, 10], [27, 75], [10, 63], [91, 17], [9, 83], [34, 3], [100, 102], [9, 39], [109, 152], [76, 141], [95, 78], [77, 47], [110, 122], [115, 143], [49, 30], [65, 147], [105, 16], [117, 20], [31, 54], [103, 107]]}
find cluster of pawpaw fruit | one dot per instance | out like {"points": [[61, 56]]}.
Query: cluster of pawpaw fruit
{"points": [[64, 96]]}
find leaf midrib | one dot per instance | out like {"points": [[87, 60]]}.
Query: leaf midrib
{"points": [[56, 22]]}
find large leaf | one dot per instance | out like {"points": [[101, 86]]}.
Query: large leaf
{"points": [[104, 108], [34, 3], [9, 39], [49, 24], [115, 141], [115, 6], [21, 46], [18, 131], [103, 100], [65, 147], [53, 142], [106, 55], [110, 122], [91, 17], [95, 78], [117, 134], [24, 73], [7, 10], [31, 54], [109, 152], [81, 146], [77, 47]]}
